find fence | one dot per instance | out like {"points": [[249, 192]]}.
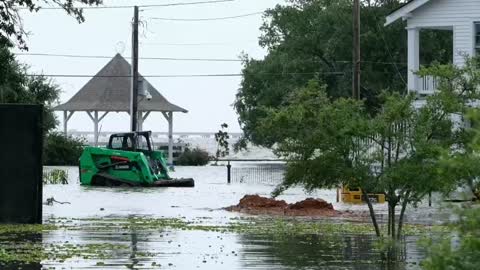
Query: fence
{"points": [[21, 163], [265, 171]]}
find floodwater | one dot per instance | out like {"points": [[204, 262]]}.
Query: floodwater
{"points": [[134, 248]]}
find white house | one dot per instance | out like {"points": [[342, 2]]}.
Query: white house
{"points": [[462, 17]]}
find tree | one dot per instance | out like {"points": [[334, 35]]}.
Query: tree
{"points": [[399, 151], [62, 151], [11, 26], [221, 137], [312, 40], [17, 87], [193, 157], [461, 86], [461, 251]]}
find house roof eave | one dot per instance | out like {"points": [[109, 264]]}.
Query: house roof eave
{"points": [[404, 11]]}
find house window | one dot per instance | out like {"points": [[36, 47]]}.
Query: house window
{"points": [[477, 38]]}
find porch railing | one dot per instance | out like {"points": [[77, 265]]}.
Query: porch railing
{"points": [[427, 84]]}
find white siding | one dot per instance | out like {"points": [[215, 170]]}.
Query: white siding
{"points": [[457, 14]]}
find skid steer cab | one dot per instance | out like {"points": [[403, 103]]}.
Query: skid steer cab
{"points": [[128, 160]]}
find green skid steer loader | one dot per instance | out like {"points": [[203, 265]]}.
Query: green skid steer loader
{"points": [[128, 160]]}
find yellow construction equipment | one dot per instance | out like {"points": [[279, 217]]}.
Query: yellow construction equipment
{"points": [[355, 196]]}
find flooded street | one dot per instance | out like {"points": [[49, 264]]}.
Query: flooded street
{"points": [[147, 228]]}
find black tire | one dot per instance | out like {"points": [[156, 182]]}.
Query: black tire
{"points": [[188, 182], [99, 181]]}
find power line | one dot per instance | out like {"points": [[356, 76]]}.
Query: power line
{"points": [[141, 6], [181, 59], [380, 29], [197, 44], [143, 58], [179, 75], [207, 19]]}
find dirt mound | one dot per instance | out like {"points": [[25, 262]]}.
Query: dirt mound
{"points": [[311, 203], [255, 201], [257, 205]]}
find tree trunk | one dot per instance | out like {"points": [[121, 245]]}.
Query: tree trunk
{"points": [[393, 220], [402, 215], [372, 213], [389, 226]]}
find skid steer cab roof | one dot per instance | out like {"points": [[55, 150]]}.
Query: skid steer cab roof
{"points": [[131, 141]]}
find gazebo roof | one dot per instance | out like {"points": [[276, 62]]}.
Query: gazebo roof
{"points": [[109, 91]]}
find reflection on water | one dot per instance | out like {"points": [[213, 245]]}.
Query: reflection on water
{"points": [[177, 249], [321, 252]]}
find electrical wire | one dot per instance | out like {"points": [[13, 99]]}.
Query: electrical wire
{"points": [[179, 59], [140, 6], [179, 75], [198, 44], [380, 29], [208, 19], [142, 58]]}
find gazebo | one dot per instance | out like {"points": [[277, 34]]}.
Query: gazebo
{"points": [[109, 91]]}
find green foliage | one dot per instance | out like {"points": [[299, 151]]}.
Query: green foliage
{"points": [[221, 137], [60, 150], [399, 151], [461, 251], [17, 87], [11, 26], [193, 157], [460, 92], [312, 40], [55, 177]]}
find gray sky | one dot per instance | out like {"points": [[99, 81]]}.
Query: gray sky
{"points": [[108, 31]]}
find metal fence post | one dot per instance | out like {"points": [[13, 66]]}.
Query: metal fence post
{"points": [[229, 173]]}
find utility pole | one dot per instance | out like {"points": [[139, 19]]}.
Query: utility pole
{"points": [[134, 92], [356, 49]]}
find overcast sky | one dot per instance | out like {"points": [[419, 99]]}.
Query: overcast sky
{"points": [[108, 31]]}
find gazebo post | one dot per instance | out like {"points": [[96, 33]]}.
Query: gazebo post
{"points": [[170, 138], [95, 128], [140, 121], [169, 117], [65, 123], [66, 118], [141, 118], [96, 120]]}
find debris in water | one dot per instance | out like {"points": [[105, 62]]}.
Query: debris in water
{"points": [[52, 200], [255, 201], [255, 204]]}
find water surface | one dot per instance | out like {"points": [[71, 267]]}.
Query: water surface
{"points": [[169, 248]]}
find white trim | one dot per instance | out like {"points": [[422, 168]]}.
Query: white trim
{"points": [[433, 26], [413, 58], [473, 24], [404, 12]]}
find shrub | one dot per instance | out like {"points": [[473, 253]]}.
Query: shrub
{"points": [[62, 151], [193, 157], [55, 177], [461, 250]]}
